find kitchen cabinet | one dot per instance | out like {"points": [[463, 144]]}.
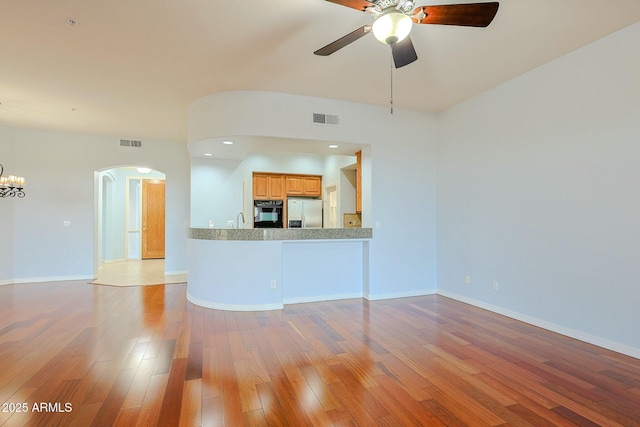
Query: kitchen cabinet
{"points": [[294, 185], [312, 186], [359, 182], [271, 186], [268, 186], [276, 187], [303, 185]]}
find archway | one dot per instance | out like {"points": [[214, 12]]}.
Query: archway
{"points": [[118, 214]]}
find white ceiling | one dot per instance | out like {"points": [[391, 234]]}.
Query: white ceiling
{"points": [[130, 68]]}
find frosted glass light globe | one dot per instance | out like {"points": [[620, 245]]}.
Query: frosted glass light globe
{"points": [[392, 27]]}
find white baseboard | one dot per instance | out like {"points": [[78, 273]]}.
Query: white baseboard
{"points": [[572, 333], [113, 261], [46, 279], [406, 294], [318, 298], [170, 273], [234, 307]]}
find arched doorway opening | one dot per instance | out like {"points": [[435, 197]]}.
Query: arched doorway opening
{"points": [[130, 223]]}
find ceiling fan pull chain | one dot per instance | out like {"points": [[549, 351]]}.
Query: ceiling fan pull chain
{"points": [[391, 75]]}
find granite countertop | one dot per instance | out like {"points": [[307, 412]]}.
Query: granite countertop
{"points": [[279, 233]]}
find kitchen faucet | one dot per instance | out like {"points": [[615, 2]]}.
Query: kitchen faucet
{"points": [[238, 222]]}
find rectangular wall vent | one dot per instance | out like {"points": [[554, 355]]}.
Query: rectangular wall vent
{"points": [[130, 143], [326, 119]]}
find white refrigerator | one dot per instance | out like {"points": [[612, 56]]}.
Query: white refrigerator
{"points": [[304, 213]]}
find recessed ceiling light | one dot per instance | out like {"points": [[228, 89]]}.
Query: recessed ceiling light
{"points": [[227, 142], [208, 154], [143, 170], [333, 146]]}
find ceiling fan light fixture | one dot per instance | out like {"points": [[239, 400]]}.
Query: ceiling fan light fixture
{"points": [[392, 27]]}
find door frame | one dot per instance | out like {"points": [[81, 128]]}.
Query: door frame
{"points": [[328, 189], [127, 227]]}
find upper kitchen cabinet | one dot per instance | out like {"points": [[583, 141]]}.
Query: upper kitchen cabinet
{"points": [[268, 186], [274, 186], [303, 185]]}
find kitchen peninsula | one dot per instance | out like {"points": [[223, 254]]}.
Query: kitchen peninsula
{"points": [[263, 269]]}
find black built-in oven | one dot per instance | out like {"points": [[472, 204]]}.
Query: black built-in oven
{"points": [[267, 213]]}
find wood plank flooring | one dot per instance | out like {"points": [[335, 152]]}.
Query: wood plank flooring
{"points": [[79, 355]]}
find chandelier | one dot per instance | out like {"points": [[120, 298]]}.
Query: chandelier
{"points": [[11, 186]]}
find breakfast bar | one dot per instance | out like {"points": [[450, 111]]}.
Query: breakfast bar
{"points": [[264, 269]]}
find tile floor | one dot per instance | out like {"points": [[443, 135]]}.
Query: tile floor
{"points": [[136, 273]]}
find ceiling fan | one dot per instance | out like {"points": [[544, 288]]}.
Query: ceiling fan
{"points": [[393, 20]]}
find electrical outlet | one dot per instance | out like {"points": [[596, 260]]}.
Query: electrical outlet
{"points": [[467, 280], [495, 286], [273, 284]]}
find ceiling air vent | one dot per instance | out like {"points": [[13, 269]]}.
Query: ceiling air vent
{"points": [[130, 143], [326, 119]]}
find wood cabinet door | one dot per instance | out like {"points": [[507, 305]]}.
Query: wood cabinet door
{"points": [[260, 186], [276, 187], [312, 186], [294, 185]]}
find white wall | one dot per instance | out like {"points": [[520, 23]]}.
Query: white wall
{"points": [[320, 271], [398, 171], [538, 184], [216, 191], [59, 169], [6, 237], [6, 213], [235, 288]]}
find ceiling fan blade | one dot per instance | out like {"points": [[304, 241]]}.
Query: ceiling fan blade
{"points": [[354, 4], [468, 15], [343, 41], [403, 53]]}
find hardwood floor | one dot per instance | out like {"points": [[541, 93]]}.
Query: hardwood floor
{"points": [[78, 354]]}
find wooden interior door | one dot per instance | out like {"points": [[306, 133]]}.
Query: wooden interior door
{"points": [[153, 206]]}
